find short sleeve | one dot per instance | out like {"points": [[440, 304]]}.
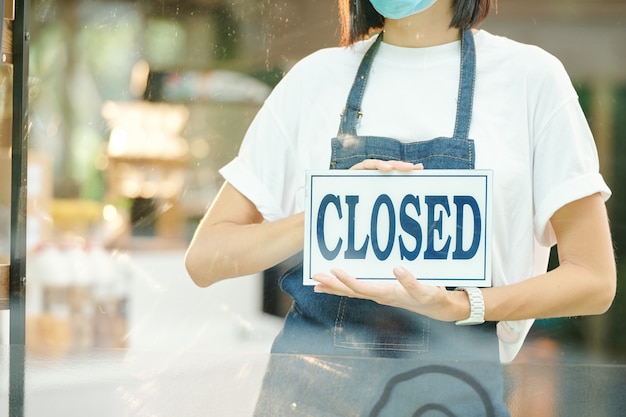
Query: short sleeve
{"points": [[263, 169], [565, 158]]}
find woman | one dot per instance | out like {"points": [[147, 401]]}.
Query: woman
{"points": [[401, 101]]}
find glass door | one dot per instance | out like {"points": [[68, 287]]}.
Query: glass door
{"points": [[14, 145]]}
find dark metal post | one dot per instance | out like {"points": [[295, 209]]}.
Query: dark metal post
{"points": [[19, 158]]}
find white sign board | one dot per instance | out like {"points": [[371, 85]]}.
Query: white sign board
{"points": [[435, 223]]}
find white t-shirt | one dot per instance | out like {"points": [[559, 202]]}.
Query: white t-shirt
{"points": [[527, 125]]}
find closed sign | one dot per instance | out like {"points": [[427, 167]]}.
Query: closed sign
{"points": [[435, 223]]}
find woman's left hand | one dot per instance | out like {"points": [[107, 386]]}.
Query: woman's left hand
{"points": [[388, 166], [407, 293]]}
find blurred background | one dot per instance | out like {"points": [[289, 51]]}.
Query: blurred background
{"points": [[133, 107]]}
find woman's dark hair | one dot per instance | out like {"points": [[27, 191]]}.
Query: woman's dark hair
{"points": [[359, 18]]}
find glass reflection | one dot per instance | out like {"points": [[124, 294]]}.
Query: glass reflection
{"points": [[134, 107]]}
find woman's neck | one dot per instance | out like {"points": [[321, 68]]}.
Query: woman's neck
{"points": [[428, 28]]}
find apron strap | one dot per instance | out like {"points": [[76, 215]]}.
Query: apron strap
{"points": [[466, 86], [352, 110]]}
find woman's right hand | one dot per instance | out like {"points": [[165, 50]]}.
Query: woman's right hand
{"points": [[387, 166]]}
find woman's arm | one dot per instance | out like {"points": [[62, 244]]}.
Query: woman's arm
{"points": [[583, 284], [232, 240], [585, 281]]}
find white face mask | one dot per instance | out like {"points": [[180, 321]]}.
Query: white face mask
{"points": [[398, 9]]}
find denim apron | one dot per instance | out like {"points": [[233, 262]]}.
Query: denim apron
{"points": [[339, 356]]}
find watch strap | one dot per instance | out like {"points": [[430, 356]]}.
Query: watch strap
{"points": [[477, 306]]}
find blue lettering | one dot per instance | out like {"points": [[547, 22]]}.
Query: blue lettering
{"points": [[321, 216], [411, 226], [386, 200], [436, 225], [461, 201], [351, 252]]}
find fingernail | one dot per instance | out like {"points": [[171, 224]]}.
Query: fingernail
{"points": [[318, 277], [398, 270]]}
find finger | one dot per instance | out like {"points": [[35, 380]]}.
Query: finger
{"points": [[377, 291], [374, 164], [406, 166], [407, 279], [347, 281], [386, 166], [344, 284], [331, 285], [419, 291]]}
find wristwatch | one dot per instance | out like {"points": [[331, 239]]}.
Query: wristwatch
{"points": [[477, 306]]}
